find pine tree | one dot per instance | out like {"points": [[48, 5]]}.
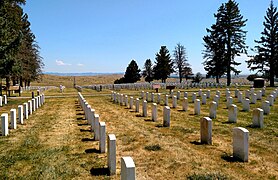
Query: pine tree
{"points": [[214, 54], [230, 22], [180, 62], [266, 61], [132, 73], [148, 71], [163, 65]]}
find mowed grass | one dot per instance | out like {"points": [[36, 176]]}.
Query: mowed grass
{"points": [[56, 142]]}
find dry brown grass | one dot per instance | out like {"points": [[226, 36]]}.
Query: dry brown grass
{"points": [[56, 142]]}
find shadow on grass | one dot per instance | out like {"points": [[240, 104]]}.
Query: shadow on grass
{"points": [[230, 158], [159, 126], [84, 124], [192, 114], [148, 120], [87, 139], [196, 143], [180, 110], [227, 122], [243, 110], [139, 115], [80, 118], [132, 111], [99, 171], [252, 126], [93, 150], [80, 113], [85, 130]]}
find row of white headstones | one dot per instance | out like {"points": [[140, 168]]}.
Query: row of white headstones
{"points": [[23, 113], [240, 135], [99, 129]]}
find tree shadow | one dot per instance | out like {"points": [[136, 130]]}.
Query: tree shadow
{"points": [[100, 171], [87, 139], [93, 150]]}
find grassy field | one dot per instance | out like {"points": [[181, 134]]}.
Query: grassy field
{"points": [[56, 143]]}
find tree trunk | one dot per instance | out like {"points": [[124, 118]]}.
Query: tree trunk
{"points": [[1, 87], [271, 74], [229, 56], [180, 76], [217, 79], [20, 82]]}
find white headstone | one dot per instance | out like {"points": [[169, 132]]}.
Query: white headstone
{"points": [[33, 105], [20, 114], [193, 97], [158, 98], [152, 97], [166, 100], [96, 127], [206, 130], [5, 99], [253, 98], [216, 99], [239, 97], [208, 94], [166, 116], [204, 98], [178, 95], [241, 143], [266, 107], [212, 109], [197, 107], [200, 93], [185, 104], [131, 103], [102, 137], [147, 96], [111, 154], [271, 100], [185, 94], [258, 118], [154, 112], [4, 124], [232, 113], [127, 169], [145, 108], [137, 105], [25, 110], [247, 94], [13, 118], [246, 105], [229, 101], [1, 101], [174, 102]]}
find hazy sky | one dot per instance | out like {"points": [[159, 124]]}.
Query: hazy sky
{"points": [[105, 35]]}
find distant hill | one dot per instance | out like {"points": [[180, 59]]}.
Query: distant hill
{"points": [[80, 74]]}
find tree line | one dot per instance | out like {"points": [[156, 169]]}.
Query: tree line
{"points": [[20, 60], [224, 41], [162, 68]]}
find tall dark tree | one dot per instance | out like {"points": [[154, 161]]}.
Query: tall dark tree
{"points": [[230, 24], [266, 61], [132, 73], [214, 54], [10, 36], [180, 61], [148, 71], [163, 65]]}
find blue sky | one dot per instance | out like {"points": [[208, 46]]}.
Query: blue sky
{"points": [[105, 35]]}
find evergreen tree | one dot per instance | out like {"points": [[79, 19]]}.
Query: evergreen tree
{"points": [[148, 71], [229, 24], [266, 61], [163, 65], [132, 73], [214, 54], [180, 62]]}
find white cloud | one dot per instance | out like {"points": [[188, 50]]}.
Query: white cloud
{"points": [[79, 64], [61, 63]]}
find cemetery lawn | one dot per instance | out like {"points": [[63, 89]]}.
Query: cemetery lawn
{"points": [[56, 143]]}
